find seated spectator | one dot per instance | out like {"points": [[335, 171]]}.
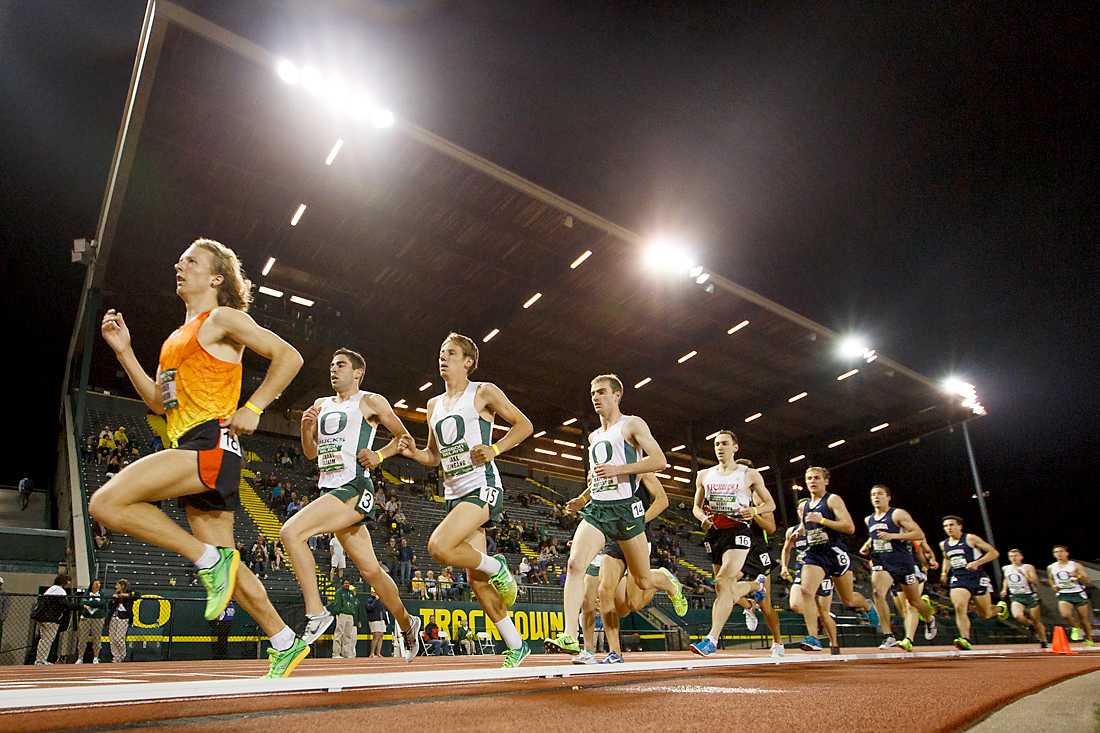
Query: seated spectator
{"points": [[114, 464], [88, 448], [121, 440], [433, 589], [280, 556], [463, 637], [257, 559], [157, 444], [105, 444], [461, 586], [524, 570], [419, 587], [445, 582], [292, 506], [435, 644]]}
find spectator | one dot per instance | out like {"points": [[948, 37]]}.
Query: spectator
{"points": [[293, 505], [220, 628], [524, 570], [338, 561], [463, 637], [258, 557], [461, 586], [391, 506], [375, 612], [104, 445], [120, 611], [122, 441], [49, 613], [439, 645], [419, 587], [89, 627], [400, 520], [433, 589], [280, 556], [446, 582], [26, 488], [345, 607], [404, 563], [88, 447], [599, 632], [114, 464], [157, 444]]}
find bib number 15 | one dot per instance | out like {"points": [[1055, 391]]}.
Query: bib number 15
{"points": [[489, 495]]}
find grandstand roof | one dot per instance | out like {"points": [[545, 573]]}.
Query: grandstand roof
{"points": [[407, 236]]}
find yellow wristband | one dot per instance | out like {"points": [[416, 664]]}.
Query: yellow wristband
{"points": [[380, 457], [496, 451], [252, 407]]}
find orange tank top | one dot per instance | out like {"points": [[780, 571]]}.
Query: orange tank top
{"points": [[195, 386]]}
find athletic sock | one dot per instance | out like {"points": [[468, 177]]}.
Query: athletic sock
{"points": [[508, 633], [208, 559], [283, 639], [712, 640], [489, 565]]}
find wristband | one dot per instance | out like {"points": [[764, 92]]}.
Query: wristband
{"points": [[380, 457], [253, 408], [496, 451]]}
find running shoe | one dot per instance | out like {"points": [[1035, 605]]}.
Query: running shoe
{"points": [[778, 650], [1089, 642], [613, 658], [411, 638], [906, 644], [888, 643], [282, 663], [704, 647], [963, 644], [834, 650], [585, 657], [561, 644], [220, 580], [514, 657], [1042, 643], [317, 625], [872, 616], [930, 629], [679, 600], [1002, 611], [751, 622], [503, 582], [1075, 634], [758, 594], [810, 644]]}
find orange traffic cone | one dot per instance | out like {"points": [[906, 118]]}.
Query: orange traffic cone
{"points": [[1060, 644]]}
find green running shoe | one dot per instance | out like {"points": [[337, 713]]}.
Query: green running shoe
{"points": [[503, 582], [514, 657], [561, 644], [284, 662], [679, 600], [963, 644], [1002, 611], [906, 644], [220, 581]]}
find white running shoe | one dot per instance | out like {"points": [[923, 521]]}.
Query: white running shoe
{"points": [[930, 629], [751, 622], [79, 660], [585, 657], [778, 650], [411, 650], [888, 643], [95, 660], [317, 625]]}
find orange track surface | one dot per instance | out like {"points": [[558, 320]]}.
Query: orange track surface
{"points": [[930, 694]]}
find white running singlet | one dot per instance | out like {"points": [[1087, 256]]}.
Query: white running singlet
{"points": [[342, 432], [458, 428], [1018, 584], [1065, 579], [610, 446]]}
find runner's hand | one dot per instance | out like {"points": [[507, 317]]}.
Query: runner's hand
{"points": [[785, 573], [607, 470], [369, 458], [972, 566], [707, 522], [309, 417], [814, 517], [933, 564], [243, 422], [481, 454], [574, 505], [115, 332]]}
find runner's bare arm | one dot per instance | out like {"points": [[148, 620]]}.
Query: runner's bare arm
{"points": [[429, 456], [657, 494], [309, 430], [637, 432], [376, 404], [117, 336], [843, 522], [990, 552], [911, 530], [697, 507], [494, 400]]}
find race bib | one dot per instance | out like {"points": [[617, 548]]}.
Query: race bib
{"points": [[229, 443], [366, 501], [724, 504], [827, 585], [167, 380], [957, 562], [765, 559], [881, 546], [597, 484], [817, 536], [637, 510], [329, 458], [742, 540], [489, 495], [456, 460]]}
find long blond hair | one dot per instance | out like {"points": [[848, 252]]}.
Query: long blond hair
{"points": [[236, 289]]}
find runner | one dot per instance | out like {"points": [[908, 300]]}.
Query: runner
{"points": [[728, 497], [339, 433], [761, 562], [612, 510], [824, 518], [197, 388], [891, 533], [1019, 587], [963, 555], [1069, 578], [460, 438], [589, 607], [795, 540]]}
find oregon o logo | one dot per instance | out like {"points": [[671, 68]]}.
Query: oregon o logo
{"points": [[326, 423], [164, 612], [605, 445], [444, 433]]}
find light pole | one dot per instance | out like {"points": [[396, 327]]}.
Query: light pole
{"points": [[981, 499]]}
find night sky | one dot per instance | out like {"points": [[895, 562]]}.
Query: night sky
{"points": [[921, 173]]}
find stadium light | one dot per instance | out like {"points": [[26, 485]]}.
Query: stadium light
{"points": [[737, 328], [959, 387], [797, 397], [383, 118], [335, 151], [297, 215], [685, 357], [539, 434], [267, 266], [570, 421], [682, 469], [572, 457], [271, 291], [669, 255], [424, 386], [312, 80], [713, 435], [489, 336], [545, 452], [855, 347], [880, 426], [422, 409], [837, 443], [301, 301], [762, 469], [681, 479], [845, 375], [643, 383], [662, 475], [583, 256], [287, 71], [401, 403], [796, 459], [754, 416], [532, 300], [676, 448], [566, 443]]}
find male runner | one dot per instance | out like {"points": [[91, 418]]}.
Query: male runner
{"points": [[795, 540], [616, 584], [761, 562], [725, 504], [612, 510], [339, 433], [963, 555], [460, 436], [1020, 582], [197, 388], [589, 607], [1069, 578], [824, 518], [891, 533]]}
